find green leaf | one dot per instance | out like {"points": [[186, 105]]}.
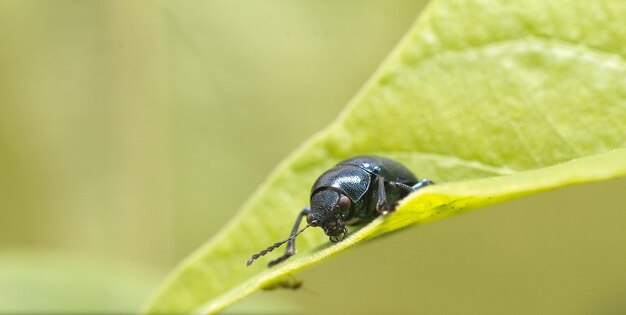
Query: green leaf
{"points": [[492, 100]]}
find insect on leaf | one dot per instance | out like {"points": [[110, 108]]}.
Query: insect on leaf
{"points": [[492, 100]]}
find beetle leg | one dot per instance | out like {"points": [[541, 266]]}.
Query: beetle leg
{"points": [[381, 205], [291, 245], [421, 184]]}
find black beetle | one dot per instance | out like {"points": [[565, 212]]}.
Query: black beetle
{"points": [[355, 191]]}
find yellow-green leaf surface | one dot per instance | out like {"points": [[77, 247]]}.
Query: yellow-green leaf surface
{"points": [[490, 99]]}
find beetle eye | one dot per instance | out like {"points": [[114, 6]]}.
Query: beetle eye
{"points": [[310, 220], [344, 205]]}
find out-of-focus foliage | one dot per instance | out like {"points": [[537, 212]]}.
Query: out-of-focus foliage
{"points": [[524, 95], [48, 283], [134, 130]]}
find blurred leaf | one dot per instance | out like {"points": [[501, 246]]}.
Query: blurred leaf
{"points": [[40, 282], [492, 100]]}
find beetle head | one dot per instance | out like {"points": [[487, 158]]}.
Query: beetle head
{"points": [[329, 208]]}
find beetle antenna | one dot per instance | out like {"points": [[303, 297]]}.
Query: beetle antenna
{"points": [[273, 247]]}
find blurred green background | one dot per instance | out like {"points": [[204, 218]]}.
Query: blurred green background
{"points": [[130, 132]]}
